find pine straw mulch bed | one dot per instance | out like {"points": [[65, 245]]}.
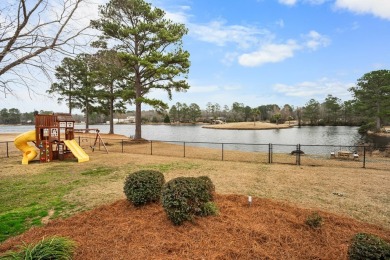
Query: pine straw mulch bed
{"points": [[266, 230]]}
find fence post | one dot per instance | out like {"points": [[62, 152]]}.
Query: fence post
{"points": [[184, 149], [151, 147], [364, 156], [122, 145], [7, 149], [79, 141], [269, 153], [296, 155], [299, 154], [222, 151]]}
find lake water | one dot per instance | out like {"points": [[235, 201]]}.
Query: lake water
{"points": [[319, 135]]}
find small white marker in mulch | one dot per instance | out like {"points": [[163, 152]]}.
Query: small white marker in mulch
{"points": [[249, 201]]}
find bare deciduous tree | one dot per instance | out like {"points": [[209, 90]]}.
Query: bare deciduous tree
{"points": [[30, 33]]}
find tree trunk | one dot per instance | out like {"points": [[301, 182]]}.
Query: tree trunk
{"points": [[378, 119], [138, 103], [87, 115], [111, 100], [111, 116], [137, 120]]}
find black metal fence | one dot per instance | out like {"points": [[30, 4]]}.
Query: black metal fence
{"points": [[299, 154]]}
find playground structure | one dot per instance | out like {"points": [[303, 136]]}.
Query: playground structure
{"points": [[54, 137]]}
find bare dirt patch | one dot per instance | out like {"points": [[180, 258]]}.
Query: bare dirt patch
{"points": [[265, 230]]}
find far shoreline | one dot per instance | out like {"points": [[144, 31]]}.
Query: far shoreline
{"points": [[249, 126]]}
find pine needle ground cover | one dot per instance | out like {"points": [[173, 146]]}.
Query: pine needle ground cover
{"points": [[272, 228], [264, 230]]}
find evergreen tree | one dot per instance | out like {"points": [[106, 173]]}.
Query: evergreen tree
{"points": [[372, 95], [151, 47]]}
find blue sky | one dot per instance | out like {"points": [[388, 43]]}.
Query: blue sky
{"points": [[261, 52]]}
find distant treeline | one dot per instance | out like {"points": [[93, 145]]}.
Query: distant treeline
{"points": [[330, 112]]}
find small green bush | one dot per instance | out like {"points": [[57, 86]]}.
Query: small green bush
{"points": [[144, 186], [209, 209], [314, 220], [184, 197], [60, 248], [368, 246]]}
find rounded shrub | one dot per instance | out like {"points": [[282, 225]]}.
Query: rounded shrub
{"points": [[368, 246], [142, 187], [314, 220], [209, 183], [185, 197]]}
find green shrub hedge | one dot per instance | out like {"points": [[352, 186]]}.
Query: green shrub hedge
{"points": [[185, 197], [142, 187], [368, 246]]}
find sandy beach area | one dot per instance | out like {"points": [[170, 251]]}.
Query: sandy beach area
{"points": [[8, 137], [249, 126]]}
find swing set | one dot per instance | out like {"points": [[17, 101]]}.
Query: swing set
{"points": [[98, 138]]}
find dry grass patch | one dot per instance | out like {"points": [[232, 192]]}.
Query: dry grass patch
{"points": [[359, 193]]}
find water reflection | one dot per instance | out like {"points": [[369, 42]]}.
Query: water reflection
{"points": [[320, 135]]}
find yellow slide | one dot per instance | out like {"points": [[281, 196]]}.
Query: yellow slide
{"points": [[77, 150], [29, 152]]}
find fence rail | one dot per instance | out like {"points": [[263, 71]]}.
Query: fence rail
{"points": [[299, 154]]}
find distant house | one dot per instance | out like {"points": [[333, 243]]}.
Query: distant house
{"points": [[127, 120]]}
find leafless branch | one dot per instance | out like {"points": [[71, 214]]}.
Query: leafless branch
{"points": [[31, 32]]}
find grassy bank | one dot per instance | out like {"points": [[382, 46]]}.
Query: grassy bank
{"points": [[31, 194]]}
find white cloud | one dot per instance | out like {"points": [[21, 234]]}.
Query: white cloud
{"points": [[230, 58], [294, 2], [219, 33], [316, 89], [379, 8], [316, 2], [288, 2], [272, 52], [269, 53], [314, 40], [177, 17]]}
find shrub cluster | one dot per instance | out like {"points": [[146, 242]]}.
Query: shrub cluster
{"points": [[186, 197], [368, 246], [60, 248], [142, 187], [314, 220]]}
